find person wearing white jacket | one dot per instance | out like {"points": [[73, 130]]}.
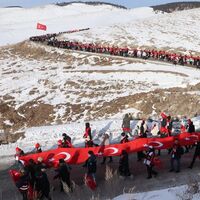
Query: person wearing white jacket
{"points": [[105, 142]]}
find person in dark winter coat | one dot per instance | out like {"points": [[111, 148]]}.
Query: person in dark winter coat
{"points": [[63, 173], [176, 154], [191, 127], [23, 184], [40, 165], [143, 132], [66, 142], [169, 125], [124, 138], [31, 168], [42, 185], [148, 161], [124, 164], [91, 165], [196, 154]]}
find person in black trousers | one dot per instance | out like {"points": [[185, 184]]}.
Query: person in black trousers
{"points": [[142, 134], [148, 161], [191, 127], [23, 184], [196, 154], [42, 185], [124, 164], [91, 164], [176, 154], [31, 168], [63, 173]]}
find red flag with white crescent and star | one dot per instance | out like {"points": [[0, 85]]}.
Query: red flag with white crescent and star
{"points": [[41, 27]]}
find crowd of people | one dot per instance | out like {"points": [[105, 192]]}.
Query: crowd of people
{"points": [[154, 54], [49, 37], [34, 174]]}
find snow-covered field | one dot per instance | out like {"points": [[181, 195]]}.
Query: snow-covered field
{"points": [[79, 91], [48, 136], [15, 29], [178, 31], [25, 80], [45, 92], [134, 27], [175, 193], [77, 85]]}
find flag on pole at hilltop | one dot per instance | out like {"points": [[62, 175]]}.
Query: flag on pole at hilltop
{"points": [[41, 27]]}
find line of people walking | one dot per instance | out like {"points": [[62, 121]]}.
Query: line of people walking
{"points": [[175, 58], [34, 180]]}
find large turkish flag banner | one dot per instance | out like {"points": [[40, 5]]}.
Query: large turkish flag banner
{"points": [[80, 155]]}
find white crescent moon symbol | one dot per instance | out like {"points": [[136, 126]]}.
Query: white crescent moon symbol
{"points": [[51, 160], [192, 136], [68, 156], [115, 150], [22, 162], [158, 144]]}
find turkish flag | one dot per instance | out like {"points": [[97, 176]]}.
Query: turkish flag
{"points": [[41, 27], [80, 155]]}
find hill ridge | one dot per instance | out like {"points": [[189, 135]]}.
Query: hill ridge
{"points": [[94, 3], [176, 6]]}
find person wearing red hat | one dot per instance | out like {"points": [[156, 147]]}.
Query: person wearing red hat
{"points": [[19, 152], [60, 144], [38, 148], [88, 136]]}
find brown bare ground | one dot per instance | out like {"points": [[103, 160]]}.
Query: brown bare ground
{"points": [[175, 101], [28, 115]]}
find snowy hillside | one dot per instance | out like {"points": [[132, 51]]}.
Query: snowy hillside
{"points": [[47, 91], [42, 85], [72, 85], [135, 27], [16, 29], [39, 87], [178, 31]]}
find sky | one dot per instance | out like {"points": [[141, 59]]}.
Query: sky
{"points": [[127, 3]]}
